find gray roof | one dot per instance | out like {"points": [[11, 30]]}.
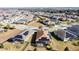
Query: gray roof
{"points": [[72, 32]]}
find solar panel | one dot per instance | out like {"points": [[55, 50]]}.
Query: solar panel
{"points": [[26, 33], [18, 36], [68, 35], [72, 32], [74, 29], [10, 40]]}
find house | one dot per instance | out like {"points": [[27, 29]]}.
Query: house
{"points": [[46, 22], [23, 18], [10, 33], [24, 27], [19, 37], [69, 33], [23, 36], [2, 30], [54, 19], [42, 37], [21, 21]]}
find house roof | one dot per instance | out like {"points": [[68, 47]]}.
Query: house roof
{"points": [[74, 29], [10, 33], [41, 33]]}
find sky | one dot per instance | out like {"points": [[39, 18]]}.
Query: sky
{"points": [[39, 3]]}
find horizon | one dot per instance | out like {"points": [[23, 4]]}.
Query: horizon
{"points": [[55, 8]]}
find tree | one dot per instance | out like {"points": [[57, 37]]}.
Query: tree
{"points": [[49, 47], [35, 49], [66, 49], [1, 45], [8, 27]]}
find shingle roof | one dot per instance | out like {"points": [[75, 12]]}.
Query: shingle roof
{"points": [[11, 33], [41, 33]]}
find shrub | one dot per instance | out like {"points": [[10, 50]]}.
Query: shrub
{"points": [[75, 43], [35, 49], [66, 49], [49, 47], [1, 46]]}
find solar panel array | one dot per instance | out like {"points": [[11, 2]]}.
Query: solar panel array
{"points": [[72, 32]]}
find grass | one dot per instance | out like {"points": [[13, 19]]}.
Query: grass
{"points": [[75, 43], [57, 43], [61, 45], [24, 46], [15, 47]]}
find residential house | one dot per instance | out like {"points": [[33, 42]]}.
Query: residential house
{"points": [[19, 37], [42, 37], [23, 36], [69, 33], [10, 33]]}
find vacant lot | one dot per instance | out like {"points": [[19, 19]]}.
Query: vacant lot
{"points": [[35, 24]]}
